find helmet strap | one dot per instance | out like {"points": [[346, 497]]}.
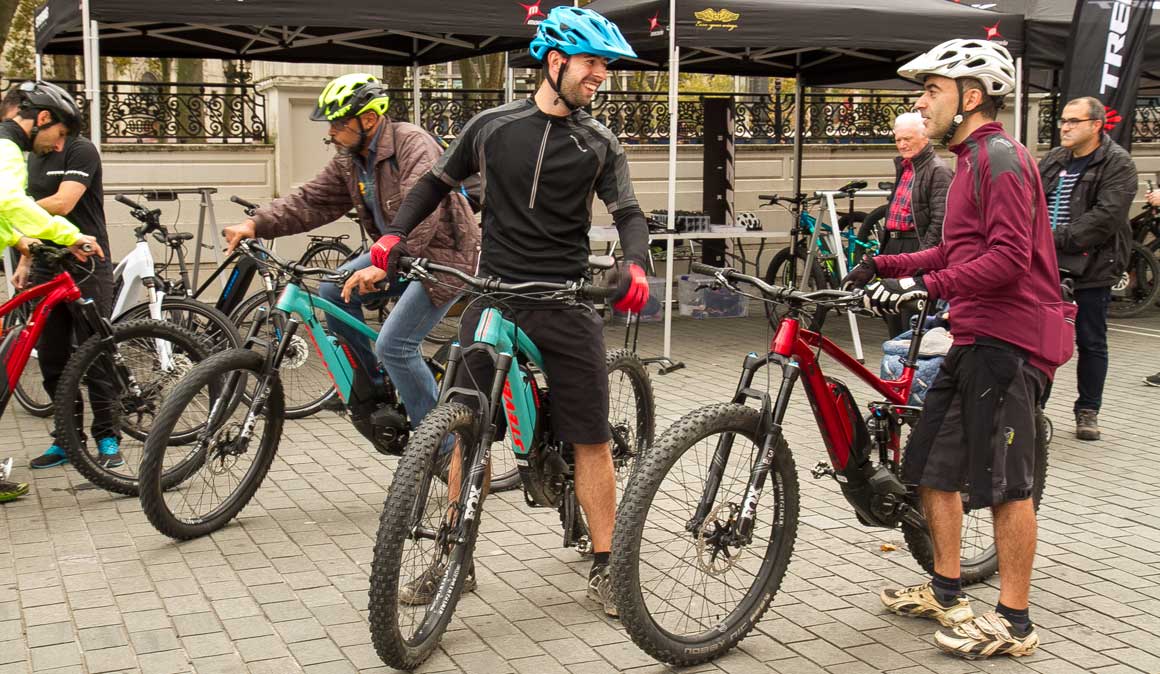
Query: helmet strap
{"points": [[556, 85], [960, 115]]}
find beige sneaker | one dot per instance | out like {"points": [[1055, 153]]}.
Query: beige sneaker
{"points": [[919, 602], [987, 635]]}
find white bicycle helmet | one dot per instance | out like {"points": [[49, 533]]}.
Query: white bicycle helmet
{"points": [[988, 62]]}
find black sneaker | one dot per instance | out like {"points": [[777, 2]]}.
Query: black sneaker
{"points": [[109, 453], [1154, 380], [600, 590], [420, 591]]}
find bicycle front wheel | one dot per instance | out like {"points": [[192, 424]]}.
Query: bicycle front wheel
{"points": [[202, 319], [127, 381], [689, 588], [419, 568], [193, 488]]}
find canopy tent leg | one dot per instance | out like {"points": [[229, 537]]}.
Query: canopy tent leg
{"points": [[39, 66], [92, 64], [798, 133], [671, 207], [508, 83], [1020, 102], [416, 118]]}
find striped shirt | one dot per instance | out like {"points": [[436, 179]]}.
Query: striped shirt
{"points": [[1059, 204]]}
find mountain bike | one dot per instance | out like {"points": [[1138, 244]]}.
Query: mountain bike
{"points": [[238, 398], [1138, 288], [707, 523], [141, 290], [128, 368], [808, 263], [420, 527]]}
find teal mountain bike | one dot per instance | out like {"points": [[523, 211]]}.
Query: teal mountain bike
{"points": [[239, 394], [425, 538]]}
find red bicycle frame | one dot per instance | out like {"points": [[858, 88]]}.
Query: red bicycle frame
{"points": [[792, 341], [17, 344]]}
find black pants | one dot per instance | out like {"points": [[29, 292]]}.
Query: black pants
{"points": [[898, 243], [1091, 341], [56, 345]]}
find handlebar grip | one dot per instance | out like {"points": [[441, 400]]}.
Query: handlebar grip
{"points": [[707, 270], [242, 202], [598, 293], [767, 197], [128, 202]]}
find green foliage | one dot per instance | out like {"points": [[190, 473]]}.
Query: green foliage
{"points": [[20, 48]]}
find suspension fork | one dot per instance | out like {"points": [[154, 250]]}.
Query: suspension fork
{"points": [[471, 493], [770, 432]]}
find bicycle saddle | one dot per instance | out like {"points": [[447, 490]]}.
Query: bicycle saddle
{"points": [[179, 237]]}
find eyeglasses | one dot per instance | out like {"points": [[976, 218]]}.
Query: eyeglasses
{"points": [[339, 124], [1063, 123]]}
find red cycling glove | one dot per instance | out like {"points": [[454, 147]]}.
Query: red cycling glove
{"points": [[631, 290], [386, 252]]}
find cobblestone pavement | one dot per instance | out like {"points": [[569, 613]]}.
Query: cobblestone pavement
{"points": [[86, 584]]}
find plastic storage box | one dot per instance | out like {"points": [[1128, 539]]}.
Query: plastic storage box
{"points": [[706, 302], [654, 309]]}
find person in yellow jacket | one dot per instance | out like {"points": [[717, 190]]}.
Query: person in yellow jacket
{"points": [[47, 114]]}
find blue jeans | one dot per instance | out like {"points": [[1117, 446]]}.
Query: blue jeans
{"points": [[1091, 340], [397, 347]]}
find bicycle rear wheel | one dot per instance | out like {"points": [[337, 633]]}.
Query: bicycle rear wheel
{"points": [[305, 380], [202, 319], [980, 559], [141, 367], [782, 272], [415, 548], [1139, 286], [29, 391], [631, 411], [232, 451], [688, 592]]}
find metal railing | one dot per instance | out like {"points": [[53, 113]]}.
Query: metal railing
{"points": [[1145, 130], [643, 117], [176, 113]]}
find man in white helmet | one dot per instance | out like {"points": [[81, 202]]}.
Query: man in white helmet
{"points": [[996, 264]]}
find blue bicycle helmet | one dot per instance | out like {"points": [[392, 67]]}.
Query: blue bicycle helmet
{"points": [[575, 30]]}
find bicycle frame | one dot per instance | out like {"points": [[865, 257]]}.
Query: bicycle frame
{"points": [[793, 348], [340, 362], [17, 346]]}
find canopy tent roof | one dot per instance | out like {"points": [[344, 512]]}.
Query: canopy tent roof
{"points": [[832, 42], [398, 32]]}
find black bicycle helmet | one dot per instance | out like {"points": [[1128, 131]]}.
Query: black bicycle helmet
{"points": [[37, 95]]}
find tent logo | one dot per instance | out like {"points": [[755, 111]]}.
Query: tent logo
{"points": [[710, 18], [655, 29], [993, 31], [1113, 119], [533, 16]]}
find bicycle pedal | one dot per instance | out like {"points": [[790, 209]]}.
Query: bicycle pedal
{"points": [[821, 470]]}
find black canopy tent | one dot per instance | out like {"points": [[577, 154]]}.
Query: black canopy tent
{"points": [[830, 42], [826, 43], [398, 32]]}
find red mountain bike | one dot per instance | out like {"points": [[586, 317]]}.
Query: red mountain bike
{"points": [[706, 526], [127, 369]]}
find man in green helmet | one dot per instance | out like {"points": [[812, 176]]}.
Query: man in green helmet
{"points": [[378, 162]]}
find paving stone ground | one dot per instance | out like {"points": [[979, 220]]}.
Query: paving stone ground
{"points": [[87, 585]]}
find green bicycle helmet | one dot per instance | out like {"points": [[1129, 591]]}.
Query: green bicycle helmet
{"points": [[349, 96]]}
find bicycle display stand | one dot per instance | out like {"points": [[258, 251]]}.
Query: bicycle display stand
{"points": [[836, 234], [205, 214]]}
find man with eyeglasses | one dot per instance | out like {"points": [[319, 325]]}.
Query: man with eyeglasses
{"points": [[1090, 182]]}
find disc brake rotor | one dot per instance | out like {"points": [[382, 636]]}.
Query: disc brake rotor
{"points": [[715, 552], [296, 353]]}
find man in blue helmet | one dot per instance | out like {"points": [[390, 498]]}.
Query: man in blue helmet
{"points": [[543, 159]]}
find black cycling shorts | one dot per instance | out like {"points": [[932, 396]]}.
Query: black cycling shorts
{"points": [[977, 432], [571, 342]]}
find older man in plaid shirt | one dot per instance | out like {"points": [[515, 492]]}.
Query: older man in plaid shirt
{"points": [[921, 180]]}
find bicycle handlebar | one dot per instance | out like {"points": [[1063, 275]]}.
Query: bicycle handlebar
{"points": [[779, 293], [421, 267], [252, 246], [243, 203], [129, 202]]}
